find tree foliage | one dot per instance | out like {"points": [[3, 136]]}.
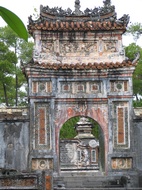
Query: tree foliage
{"points": [[23, 51], [135, 29], [130, 51], [68, 130], [7, 69]]}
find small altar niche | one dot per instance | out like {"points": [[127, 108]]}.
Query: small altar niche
{"points": [[82, 152]]}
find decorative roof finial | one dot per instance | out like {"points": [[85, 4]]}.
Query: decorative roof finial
{"points": [[107, 3], [77, 7]]}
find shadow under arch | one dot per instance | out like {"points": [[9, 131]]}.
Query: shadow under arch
{"points": [[68, 134]]}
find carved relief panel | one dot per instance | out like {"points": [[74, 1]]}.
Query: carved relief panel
{"points": [[121, 163], [121, 124], [44, 87], [54, 48], [42, 164], [119, 86], [110, 46], [82, 48], [75, 154], [110, 49], [91, 87], [42, 131]]}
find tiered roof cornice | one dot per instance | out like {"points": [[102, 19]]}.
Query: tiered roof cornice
{"points": [[84, 66], [57, 19]]}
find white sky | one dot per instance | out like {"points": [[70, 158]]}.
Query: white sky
{"points": [[25, 8]]}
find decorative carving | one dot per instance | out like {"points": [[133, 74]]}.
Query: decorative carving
{"points": [[124, 19], [42, 164], [94, 13], [19, 182], [110, 46], [121, 124], [84, 159], [42, 127], [107, 3], [81, 87], [77, 8], [66, 87], [42, 87], [47, 47], [77, 47], [121, 163], [95, 87], [119, 86], [67, 152], [93, 143], [78, 154], [81, 106]]}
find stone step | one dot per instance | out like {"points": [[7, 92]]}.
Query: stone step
{"points": [[113, 188], [84, 182], [82, 173]]}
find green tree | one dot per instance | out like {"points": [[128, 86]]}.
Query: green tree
{"points": [[135, 29], [131, 51], [7, 69], [23, 52], [68, 130]]}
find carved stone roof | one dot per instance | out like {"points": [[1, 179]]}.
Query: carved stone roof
{"points": [[98, 18], [83, 66]]}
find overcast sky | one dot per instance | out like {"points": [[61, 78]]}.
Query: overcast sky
{"points": [[25, 8]]}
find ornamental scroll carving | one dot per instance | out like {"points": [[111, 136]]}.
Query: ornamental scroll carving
{"points": [[42, 87], [93, 87], [121, 163], [42, 164], [119, 86], [77, 47]]}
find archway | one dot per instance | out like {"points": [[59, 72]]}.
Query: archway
{"points": [[81, 145]]}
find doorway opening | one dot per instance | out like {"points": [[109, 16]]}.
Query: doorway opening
{"points": [[81, 145]]}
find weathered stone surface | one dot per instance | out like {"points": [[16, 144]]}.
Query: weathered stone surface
{"points": [[79, 68], [14, 139]]}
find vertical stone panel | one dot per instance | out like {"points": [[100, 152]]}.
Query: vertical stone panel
{"points": [[14, 145], [42, 129], [121, 127], [48, 182], [48, 87], [42, 126], [121, 124], [34, 87], [125, 85]]}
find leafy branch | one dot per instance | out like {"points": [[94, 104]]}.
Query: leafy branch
{"points": [[14, 22]]}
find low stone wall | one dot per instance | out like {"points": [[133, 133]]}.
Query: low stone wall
{"points": [[14, 138]]}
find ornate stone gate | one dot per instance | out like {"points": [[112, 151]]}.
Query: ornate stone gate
{"points": [[79, 69]]}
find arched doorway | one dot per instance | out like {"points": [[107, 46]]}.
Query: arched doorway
{"points": [[81, 145]]}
